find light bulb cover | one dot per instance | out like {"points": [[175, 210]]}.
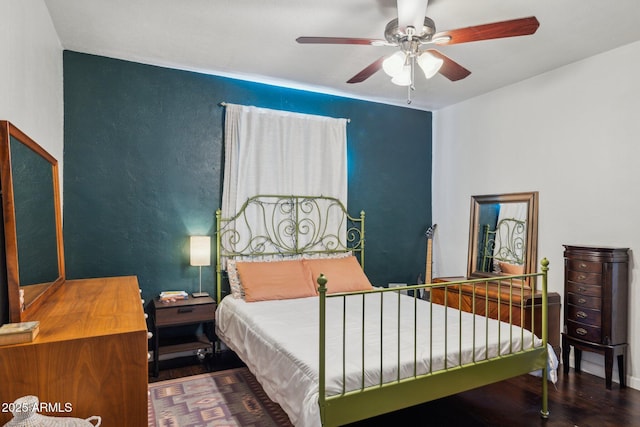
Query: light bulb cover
{"points": [[404, 77], [394, 63], [429, 64]]}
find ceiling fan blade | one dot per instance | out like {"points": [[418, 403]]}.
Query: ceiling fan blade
{"points": [[338, 40], [496, 30], [450, 68], [411, 12], [368, 71]]}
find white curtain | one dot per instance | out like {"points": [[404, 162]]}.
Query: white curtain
{"points": [[278, 152]]}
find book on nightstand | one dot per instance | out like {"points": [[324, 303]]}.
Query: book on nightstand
{"points": [[173, 296], [17, 333]]}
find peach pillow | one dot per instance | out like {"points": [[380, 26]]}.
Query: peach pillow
{"points": [[263, 281], [511, 269], [343, 274]]}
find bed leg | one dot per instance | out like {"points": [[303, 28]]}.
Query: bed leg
{"points": [[544, 412]]}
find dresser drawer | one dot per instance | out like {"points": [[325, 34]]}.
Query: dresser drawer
{"points": [[582, 289], [176, 315], [584, 301], [583, 277], [585, 266], [584, 315], [584, 332]]}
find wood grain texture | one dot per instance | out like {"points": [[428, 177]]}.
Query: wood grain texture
{"points": [[91, 353]]}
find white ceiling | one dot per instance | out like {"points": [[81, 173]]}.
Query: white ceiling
{"points": [[256, 40]]}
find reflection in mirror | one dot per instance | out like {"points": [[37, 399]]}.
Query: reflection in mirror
{"points": [[32, 221], [502, 238], [34, 216], [503, 234]]}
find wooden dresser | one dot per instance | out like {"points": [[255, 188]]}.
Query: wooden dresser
{"points": [[524, 305], [596, 295], [90, 355]]}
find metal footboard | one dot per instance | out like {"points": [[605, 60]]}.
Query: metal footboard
{"points": [[427, 379]]}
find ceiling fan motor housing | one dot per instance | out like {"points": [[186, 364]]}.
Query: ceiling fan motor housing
{"points": [[396, 35]]}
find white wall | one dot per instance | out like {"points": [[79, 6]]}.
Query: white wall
{"points": [[31, 86], [572, 134]]}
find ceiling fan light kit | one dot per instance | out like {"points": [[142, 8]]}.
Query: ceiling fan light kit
{"points": [[401, 68], [400, 65], [411, 32]]}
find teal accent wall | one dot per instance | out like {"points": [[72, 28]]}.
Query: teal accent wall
{"points": [[143, 170]]}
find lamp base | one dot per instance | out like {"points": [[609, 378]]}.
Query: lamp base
{"points": [[199, 294]]}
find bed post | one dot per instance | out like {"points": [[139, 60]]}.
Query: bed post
{"points": [[544, 412], [322, 291], [218, 266]]}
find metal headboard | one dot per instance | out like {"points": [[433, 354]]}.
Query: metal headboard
{"points": [[273, 226], [506, 243]]}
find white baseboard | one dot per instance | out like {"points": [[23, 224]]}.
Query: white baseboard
{"points": [[633, 382], [598, 371]]}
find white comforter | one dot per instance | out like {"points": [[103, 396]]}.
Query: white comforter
{"points": [[278, 340]]}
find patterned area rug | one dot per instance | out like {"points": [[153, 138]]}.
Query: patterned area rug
{"points": [[231, 398]]}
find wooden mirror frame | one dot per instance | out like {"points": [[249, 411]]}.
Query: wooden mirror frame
{"points": [[39, 292], [531, 233]]}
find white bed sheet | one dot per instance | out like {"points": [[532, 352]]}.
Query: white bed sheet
{"points": [[278, 340]]}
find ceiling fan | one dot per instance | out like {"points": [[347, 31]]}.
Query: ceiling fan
{"points": [[415, 34]]}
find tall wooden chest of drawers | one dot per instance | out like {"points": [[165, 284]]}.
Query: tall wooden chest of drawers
{"points": [[596, 304]]}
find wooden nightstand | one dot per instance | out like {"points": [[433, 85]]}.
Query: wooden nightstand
{"points": [[191, 311]]}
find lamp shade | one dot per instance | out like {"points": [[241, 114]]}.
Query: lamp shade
{"points": [[200, 250]]}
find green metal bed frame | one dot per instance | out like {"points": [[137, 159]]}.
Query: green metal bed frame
{"points": [[296, 225]]}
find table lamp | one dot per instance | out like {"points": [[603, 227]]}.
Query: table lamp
{"points": [[200, 254]]}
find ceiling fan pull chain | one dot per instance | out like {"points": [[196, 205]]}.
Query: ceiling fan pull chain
{"points": [[411, 85]]}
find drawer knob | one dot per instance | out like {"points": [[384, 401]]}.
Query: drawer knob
{"points": [[146, 316], [149, 335], [581, 289], [581, 331], [583, 265], [582, 300], [582, 277], [581, 315]]}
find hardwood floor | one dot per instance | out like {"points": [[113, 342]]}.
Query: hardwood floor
{"points": [[578, 400]]}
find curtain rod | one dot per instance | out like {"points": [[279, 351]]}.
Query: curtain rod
{"points": [[224, 104]]}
